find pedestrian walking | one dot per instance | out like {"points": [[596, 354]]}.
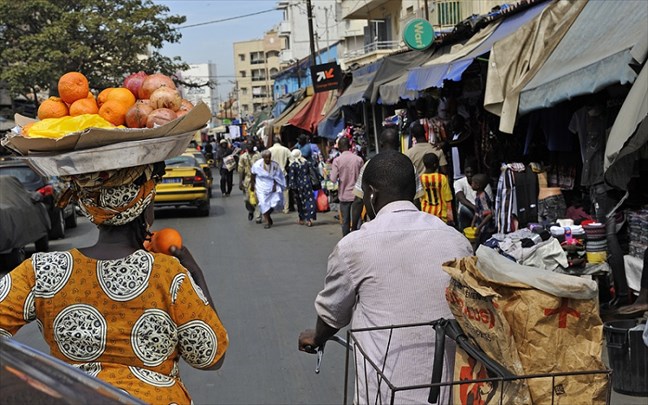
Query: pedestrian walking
{"points": [[246, 160], [226, 165], [384, 274], [299, 180], [422, 148], [281, 155], [268, 183], [114, 310], [346, 168]]}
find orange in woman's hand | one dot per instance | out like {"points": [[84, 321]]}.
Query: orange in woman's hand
{"points": [[162, 240]]}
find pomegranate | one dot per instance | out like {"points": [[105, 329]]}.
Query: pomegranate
{"points": [[134, 82], [186, 105], [165, 97], [160, 117], [137, 115], [154, 82]]}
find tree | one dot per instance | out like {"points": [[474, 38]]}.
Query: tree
{"points": [[106, 40]]}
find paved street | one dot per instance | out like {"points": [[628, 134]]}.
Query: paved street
{"points": [[263, 282]]}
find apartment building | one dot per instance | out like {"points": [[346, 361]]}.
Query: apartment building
{"points": [[255, 62], [201, 73], [329, 28], [386, 20]]}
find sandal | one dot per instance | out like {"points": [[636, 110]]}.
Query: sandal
{"points": [[309, 224], [267, 226], [300, 222]]}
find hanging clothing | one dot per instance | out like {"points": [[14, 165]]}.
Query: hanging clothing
{"points": [[526, 189], [299, 181], [506, 199], [590, 124]]}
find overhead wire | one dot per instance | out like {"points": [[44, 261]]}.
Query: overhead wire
{"points": [[227, 19]]}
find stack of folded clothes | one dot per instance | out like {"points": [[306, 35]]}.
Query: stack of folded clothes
{"points": [[596, 242]]}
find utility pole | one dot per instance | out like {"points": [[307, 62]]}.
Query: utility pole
{"points": [[309, 10], [427, 10]]}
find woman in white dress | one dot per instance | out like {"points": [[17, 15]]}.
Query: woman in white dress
{"points": [[268, 182]]}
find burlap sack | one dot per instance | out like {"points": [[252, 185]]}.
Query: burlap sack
{"points": [[545, 332]]}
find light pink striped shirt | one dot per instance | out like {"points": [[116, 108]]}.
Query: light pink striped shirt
{"points": [[388, 273], [346, 168]]}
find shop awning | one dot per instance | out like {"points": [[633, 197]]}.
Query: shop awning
{"points": [[311, 115], [628, 134], [357, 91], [393, 68], [289, 113], [568, 50], [391, 92], [451, 61]]}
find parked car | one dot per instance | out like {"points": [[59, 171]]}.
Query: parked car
{"points": [[204, 165], [23, 220], [28, 376], [184, 183], [50, 188]]}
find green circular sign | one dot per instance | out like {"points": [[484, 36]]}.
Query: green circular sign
{"points": [[418, 34]]}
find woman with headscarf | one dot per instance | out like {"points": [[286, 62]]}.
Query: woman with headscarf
{"points": [[268, 183], [300, 182], [114, 310]]}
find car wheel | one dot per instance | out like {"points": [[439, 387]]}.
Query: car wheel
{"points": [[71, 221], [203, 210], [9, 261], [42, 245], [58, 224]]}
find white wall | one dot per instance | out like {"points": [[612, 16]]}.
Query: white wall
{"points": [[200, 73]]}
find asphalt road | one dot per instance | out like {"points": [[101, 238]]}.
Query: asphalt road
{"points": [[263, 283]]}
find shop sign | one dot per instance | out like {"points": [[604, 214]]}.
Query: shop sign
{"points": [[326, 77], [418, 34]]}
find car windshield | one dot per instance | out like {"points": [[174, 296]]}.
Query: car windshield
{"points": [[200, 158], [26, 176], [181, 161]]}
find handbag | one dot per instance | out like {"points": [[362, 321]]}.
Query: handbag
{"points": [[252, 198], [229, 162], [315, 178], [322, 201]]}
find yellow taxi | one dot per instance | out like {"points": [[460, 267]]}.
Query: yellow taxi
{"points": [[204, 165], [184, 184]]}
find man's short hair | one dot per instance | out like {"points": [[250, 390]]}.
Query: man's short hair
{"points": [[391, 173], [431, 161], [390, 138], [417, 131], [344, 144], [277, 139], [481, 180]]}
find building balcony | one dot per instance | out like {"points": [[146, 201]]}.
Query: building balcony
{"points": [[259, 79], [284, 29], [369, 53], [360, 10], [282, 4]]}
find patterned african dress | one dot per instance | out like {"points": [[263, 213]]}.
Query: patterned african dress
{"points": [[126, 321], [299, 181]]}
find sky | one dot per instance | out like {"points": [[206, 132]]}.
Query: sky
{"points": [[213, 42]]}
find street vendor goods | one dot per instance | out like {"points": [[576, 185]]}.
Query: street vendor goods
{"points": [[533, 322]]}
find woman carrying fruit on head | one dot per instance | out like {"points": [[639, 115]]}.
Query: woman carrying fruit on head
{"points": [[115, 310]]}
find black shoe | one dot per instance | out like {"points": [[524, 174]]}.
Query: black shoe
{"points": [[250, 216], [258, 221]]}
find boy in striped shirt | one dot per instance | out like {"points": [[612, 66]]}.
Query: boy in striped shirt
{"points": [[437, 197]]}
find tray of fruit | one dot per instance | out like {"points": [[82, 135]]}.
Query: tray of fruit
{"points": [[146, 109]]}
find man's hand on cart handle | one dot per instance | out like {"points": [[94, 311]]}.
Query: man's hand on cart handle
{"points": [[310, 340]]}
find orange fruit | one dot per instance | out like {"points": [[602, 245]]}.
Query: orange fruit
{"points": [[103, 96], [162, 240], [53, 107], [114, 112], [84, 106], [90, 95], [73, 86], [123, 95]]}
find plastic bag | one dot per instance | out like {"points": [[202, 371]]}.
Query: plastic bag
{"points": [[322, 201], [252, 198], [58, 127]]}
